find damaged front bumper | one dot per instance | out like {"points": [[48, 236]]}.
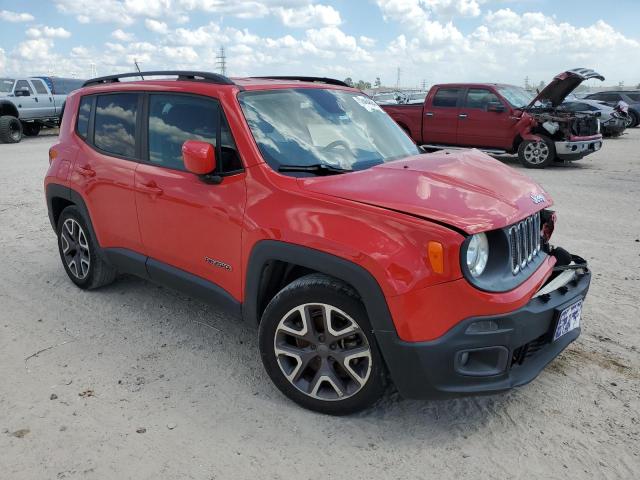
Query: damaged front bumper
{"points": [[578, 147], [491, 353]]}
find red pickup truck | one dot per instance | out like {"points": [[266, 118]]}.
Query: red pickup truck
{"points": [[502, 119]]}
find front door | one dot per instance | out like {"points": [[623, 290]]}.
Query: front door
{"points": [[480, 127], [440, 117], [186, 222], [28, 106]]}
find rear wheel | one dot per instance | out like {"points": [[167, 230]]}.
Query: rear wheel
{"points": [[317, 346], [537, 153], [79, 252], [634, 119], [31, 129], [10, 129]]}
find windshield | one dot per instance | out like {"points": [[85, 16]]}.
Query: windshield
{"points": [[6, 85], [312, 126], [517, 97]]}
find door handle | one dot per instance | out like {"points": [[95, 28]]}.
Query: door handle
{"points": [[35, 98], [428, 114], [462, 115], [151, 188], [86, 171]]}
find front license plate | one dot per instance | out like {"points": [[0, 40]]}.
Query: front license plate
{"points": [[569, 319]]}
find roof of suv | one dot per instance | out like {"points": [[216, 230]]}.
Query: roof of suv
{"points": [[250, 83]]}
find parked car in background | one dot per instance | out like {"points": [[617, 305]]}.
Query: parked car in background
{"points": [[387, 98], [504, 119], [301, 205], [27, 105], [612, 97], [62, 86], [613, 121]]}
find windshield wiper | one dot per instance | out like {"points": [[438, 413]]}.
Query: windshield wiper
{"points": [[318, 169]]}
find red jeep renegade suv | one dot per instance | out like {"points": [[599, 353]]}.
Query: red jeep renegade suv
{"points": [[300, 204]]}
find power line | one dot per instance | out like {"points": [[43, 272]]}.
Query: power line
{"points": [[222, 62]]}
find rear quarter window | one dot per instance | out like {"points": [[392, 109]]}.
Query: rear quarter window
{"points": [[84, 112]]}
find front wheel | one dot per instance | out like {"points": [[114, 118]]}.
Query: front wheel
{"points": [[317, 346], [537, 153], [10, 129]]}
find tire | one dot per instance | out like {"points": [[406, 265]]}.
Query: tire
{"points": [[79, 252], [31, 129], [312, 364], [10, 129], [537, 154], [635, 119]]}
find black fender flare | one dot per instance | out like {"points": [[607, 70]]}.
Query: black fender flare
{"points": [[8, 108], [358, 277]]}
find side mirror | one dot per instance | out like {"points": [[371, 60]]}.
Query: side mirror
{"points": [[22, 92], [495, 107], [199, 157]]}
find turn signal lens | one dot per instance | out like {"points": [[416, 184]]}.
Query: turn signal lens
{"points": [[436, 256], [53, 153]]}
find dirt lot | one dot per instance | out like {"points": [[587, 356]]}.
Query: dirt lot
{"points": [[81, 373]]}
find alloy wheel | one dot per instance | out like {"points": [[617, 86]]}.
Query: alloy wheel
{"points": [[536, 152], [322, 352], [75, 248]]}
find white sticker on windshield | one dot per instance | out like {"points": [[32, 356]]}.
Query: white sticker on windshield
{"points": [[367, 103]]}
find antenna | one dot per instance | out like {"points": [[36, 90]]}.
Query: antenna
{"points": [[135, 61], [222, 62]]}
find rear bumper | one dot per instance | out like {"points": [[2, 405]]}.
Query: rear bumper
{"points": [[574, 150], [514, 354]]}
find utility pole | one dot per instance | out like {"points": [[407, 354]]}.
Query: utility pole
{"points": [[222, 62], [92, 68], [424, 84], [527, 85], [398, 78]]}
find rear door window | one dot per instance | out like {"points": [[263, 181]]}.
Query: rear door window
{"points": [[174, 119], [446, 97], [115, 124], [39, 86]]}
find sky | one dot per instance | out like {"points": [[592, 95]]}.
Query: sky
{"points": [[429, 41]]}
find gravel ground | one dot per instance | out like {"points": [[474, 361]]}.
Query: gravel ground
{"points": [[138, 381]]}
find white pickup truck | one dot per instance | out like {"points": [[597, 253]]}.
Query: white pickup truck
{"points": [[27, 105]]}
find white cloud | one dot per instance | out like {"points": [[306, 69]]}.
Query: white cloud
{"points": [[48, 32], [121, 35], [309, 15], [156, 26], [15, 17], [2, 60], [35, 49], [367, 41]]}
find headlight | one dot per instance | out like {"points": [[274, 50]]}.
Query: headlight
{"points": [[477, 254]]}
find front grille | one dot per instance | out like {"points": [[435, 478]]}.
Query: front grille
{"points": [[524, 242], [527, 350]]}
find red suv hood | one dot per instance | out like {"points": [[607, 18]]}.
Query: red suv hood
{"points": [[563, 84], [468, 189]]}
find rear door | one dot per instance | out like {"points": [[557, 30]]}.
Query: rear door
{"points": [[108, 126], [479, 127], [44, 100], [185, 221], [440, 116]]}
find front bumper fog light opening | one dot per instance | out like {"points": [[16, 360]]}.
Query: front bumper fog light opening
{"points": [[482, 362]]}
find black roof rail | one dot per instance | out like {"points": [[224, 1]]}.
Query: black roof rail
{"points": [[181, 74], [330, 81]]}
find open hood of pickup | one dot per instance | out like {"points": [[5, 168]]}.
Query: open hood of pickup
{"points": [[466, 189], [563, 84]]}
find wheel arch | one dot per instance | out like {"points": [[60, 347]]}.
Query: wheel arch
{"points": [[60, 197], [8, 108], [265, 277]]}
